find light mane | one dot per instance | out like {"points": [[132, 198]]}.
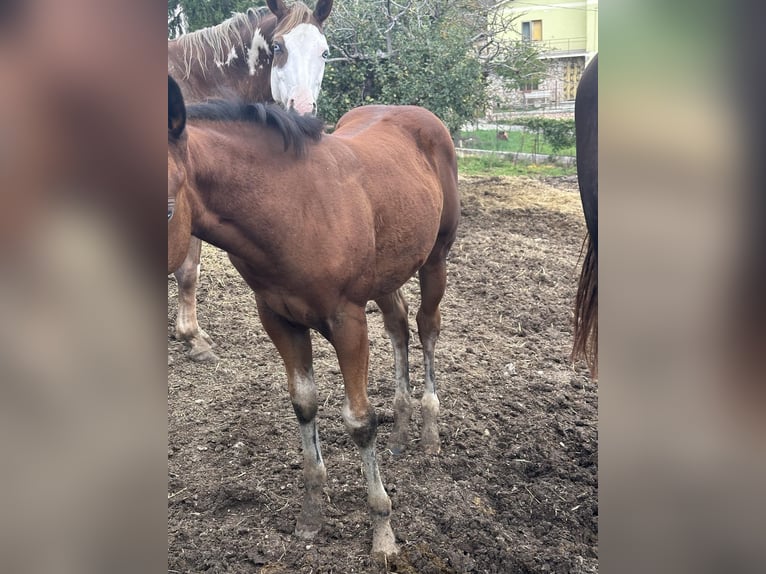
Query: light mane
{"points": [[222, 39], [298, 14]]}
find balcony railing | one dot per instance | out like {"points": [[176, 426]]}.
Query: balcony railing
{"points": [[562, 47]]}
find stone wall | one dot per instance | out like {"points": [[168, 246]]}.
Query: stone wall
{"points": [[558, 87]]}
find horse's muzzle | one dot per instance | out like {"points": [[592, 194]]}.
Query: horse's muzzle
{"points": [[303, 106]]}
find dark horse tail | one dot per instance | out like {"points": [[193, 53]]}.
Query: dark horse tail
{"points": [[586, 131], [586, 311]]}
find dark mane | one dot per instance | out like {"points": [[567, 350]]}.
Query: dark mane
{"points": [[297, 130]]}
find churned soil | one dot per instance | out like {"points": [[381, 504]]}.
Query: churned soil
{"points": [[514, 488]]}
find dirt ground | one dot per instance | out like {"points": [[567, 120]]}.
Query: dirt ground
{"points": [[514, 489]]}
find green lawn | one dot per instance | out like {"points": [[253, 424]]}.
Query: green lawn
{"points": [[517, 142], [502, 166]]}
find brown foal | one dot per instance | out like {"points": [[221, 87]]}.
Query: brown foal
{"points": [[318, 225]]}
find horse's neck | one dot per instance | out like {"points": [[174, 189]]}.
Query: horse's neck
{"points": [[256, 60], [245, 74], [217, 168], [225, 193]]}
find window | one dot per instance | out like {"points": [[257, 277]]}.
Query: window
{"points": [[530, 86], [532, 30]]}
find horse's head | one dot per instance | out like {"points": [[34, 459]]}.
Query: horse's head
{"points": [[299, 50], [179, 212]]}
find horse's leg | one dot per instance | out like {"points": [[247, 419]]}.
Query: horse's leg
{"points": [[348, 334], [433, 281], [294, 345], [394, 309], [187, 327]]}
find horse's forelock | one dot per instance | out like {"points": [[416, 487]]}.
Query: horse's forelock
{"points": [[298, 14]]}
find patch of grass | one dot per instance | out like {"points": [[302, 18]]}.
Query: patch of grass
{"points": [[518, 141], [502, 166]]}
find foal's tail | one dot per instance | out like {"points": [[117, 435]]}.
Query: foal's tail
{"points": [[586, 311]]}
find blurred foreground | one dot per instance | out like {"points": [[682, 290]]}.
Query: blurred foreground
{"points": [[82, 379]]}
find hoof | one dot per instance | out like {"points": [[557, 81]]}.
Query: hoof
{"points": [[307, 532], [309, 523], [429, 437], [396, 448], [383, 542], [203, 356], [397, 441], [430, 443]]}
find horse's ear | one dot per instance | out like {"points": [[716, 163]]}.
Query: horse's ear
{"points": [[277, 8], [322, 11], [252, 15], [176, 110]]}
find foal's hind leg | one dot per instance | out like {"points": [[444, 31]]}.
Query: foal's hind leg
{"points": [[348, 334], [294, 345], [187, 327], [433, 281], [394, 309]]}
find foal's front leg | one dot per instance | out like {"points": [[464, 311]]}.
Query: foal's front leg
{"points": [[348, 335], [294, 345]]}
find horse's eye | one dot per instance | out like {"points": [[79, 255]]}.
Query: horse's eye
{"points": [[326, 54], [276, 48], [170, 213]]}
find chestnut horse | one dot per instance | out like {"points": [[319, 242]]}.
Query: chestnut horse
{"points": [[270, 54], [317, 231], [586, 132]]}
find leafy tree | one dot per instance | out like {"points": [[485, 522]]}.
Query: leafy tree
{"points": [[412, 53], [434, 53]]}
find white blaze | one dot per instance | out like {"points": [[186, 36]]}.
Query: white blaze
{"points": [[298, 82]]}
